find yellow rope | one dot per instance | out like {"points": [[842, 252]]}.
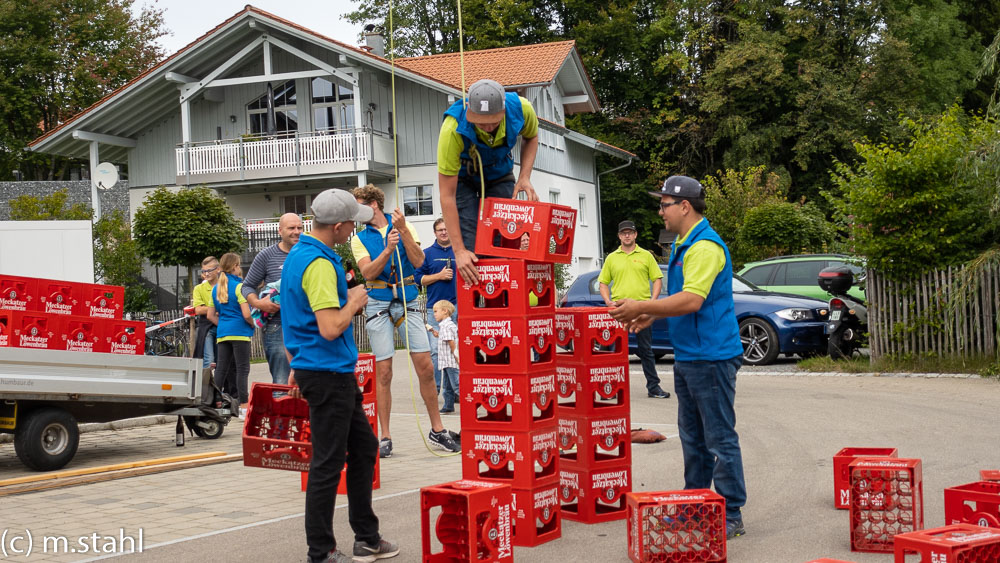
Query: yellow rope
{"points": [[399, 199]]}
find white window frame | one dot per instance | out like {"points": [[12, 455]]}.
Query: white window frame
{"points": [[428, 193], [581, 210], [288, 109], [346, 105], [554, 195]]}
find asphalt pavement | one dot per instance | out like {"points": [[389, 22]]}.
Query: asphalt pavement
{"points": [[790, 425]]}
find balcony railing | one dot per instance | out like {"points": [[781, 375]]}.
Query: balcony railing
{"points": [[313, 150]]}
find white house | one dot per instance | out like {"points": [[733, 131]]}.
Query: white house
{"points": [[200, 117]]}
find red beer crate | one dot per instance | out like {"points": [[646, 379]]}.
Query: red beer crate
{"points": [[32, 329], [124, 337], [371, 413], [6, 325], [956, 543], [536, 515], [506, 287], [104, 301], [276, 431], [887, 498], [82, 334], [523, 460], [593, 495], [587, 334], [841, 475], [592, 389], [60, 297], [512, 403], [365, 370], [504, 223], [989, 475], [475, 523], [676, 526], [595, 441], [18, 293], [506, 343], [974, 503]]}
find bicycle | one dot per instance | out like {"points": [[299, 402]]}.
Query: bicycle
{"points": [[168, 338]]}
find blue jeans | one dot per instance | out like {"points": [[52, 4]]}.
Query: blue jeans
{"points": [[211, 349], [644, 343], [274, 351], [434, 345], [467, 201], [449, 385], [706, 420]]}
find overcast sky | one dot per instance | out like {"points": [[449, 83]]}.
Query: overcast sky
{"points": [[190, 19]]}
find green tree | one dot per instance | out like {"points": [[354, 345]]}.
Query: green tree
{"points": [[59, 57], [117, 260], [729, 196], [181, 228], [916, 207], [775, 229], [49, 207]]}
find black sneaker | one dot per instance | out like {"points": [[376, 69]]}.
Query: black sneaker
{"points": [[385, 448], [366, 553], [659, 394], [444, 439], [734, 529]]}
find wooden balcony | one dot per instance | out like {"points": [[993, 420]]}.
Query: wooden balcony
{"points": [[299, 154]]}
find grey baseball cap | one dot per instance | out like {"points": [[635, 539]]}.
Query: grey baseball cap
{"points": [[626, 226], [486, 101], [336, 206], [680, 186]]}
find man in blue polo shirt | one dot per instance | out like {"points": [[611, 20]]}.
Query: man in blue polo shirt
{"points": [[317, 310], [707, 348], [437, 274]]}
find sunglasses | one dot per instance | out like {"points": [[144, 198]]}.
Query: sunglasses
{"points": [[665, 204]]}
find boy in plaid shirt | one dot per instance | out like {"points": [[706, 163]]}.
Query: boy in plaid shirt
{"points": [[447, 352]]}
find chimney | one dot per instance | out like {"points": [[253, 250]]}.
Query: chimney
{"points": [[375, 42]]}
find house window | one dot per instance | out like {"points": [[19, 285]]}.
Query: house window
{"points": [[581, 211], [286, 119], [418, 200], [553, 196], [294, 204], [333, 106]]}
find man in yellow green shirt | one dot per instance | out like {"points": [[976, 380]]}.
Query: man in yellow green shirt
{"points": [[634, 273], [201, 299], [475, 147]]}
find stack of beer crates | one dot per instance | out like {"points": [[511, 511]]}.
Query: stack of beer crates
{"points": [[594, 416], [64, 315], [506, 327]]}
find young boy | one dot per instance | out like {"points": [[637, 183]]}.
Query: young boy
{"points": [[201, 298], [447, 352]]}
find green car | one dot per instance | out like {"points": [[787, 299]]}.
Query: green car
{"points": [[798, 274]]}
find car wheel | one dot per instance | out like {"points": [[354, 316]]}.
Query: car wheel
{"points": [[760, 342]]}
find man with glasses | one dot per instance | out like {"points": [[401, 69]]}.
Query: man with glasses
{"points": [[437, 274], [628, 273], [707, 349], [265, 269]]}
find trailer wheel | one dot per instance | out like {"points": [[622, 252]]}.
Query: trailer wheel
{"points": [[212, 432], [46, 439]]}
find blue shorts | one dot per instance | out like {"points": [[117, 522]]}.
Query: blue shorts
{"points": [[380, 328]]}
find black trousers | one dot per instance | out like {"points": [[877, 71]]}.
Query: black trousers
{"points": [[340, 433], [232, 368]]}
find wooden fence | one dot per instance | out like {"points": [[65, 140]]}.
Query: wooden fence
{"points": [[930, 315]]}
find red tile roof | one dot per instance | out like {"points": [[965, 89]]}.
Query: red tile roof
{"points": [[510, 66]]}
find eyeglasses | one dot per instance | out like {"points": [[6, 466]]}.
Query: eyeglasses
{"points": [[666, 204], [440, 230]]}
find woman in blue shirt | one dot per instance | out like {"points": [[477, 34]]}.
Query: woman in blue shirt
{"points": [[235, 327]]}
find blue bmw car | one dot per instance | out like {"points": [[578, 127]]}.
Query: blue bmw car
{"points": [[770, 323]]}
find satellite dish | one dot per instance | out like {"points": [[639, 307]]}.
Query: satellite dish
{"points": [[105, 175]]}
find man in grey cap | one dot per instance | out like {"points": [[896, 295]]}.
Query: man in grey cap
{"points": [[317, 310], [636, 275], [707, 349], [475, 155]]}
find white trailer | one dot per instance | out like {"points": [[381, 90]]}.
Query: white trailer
{"points": [[45, 393]]}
